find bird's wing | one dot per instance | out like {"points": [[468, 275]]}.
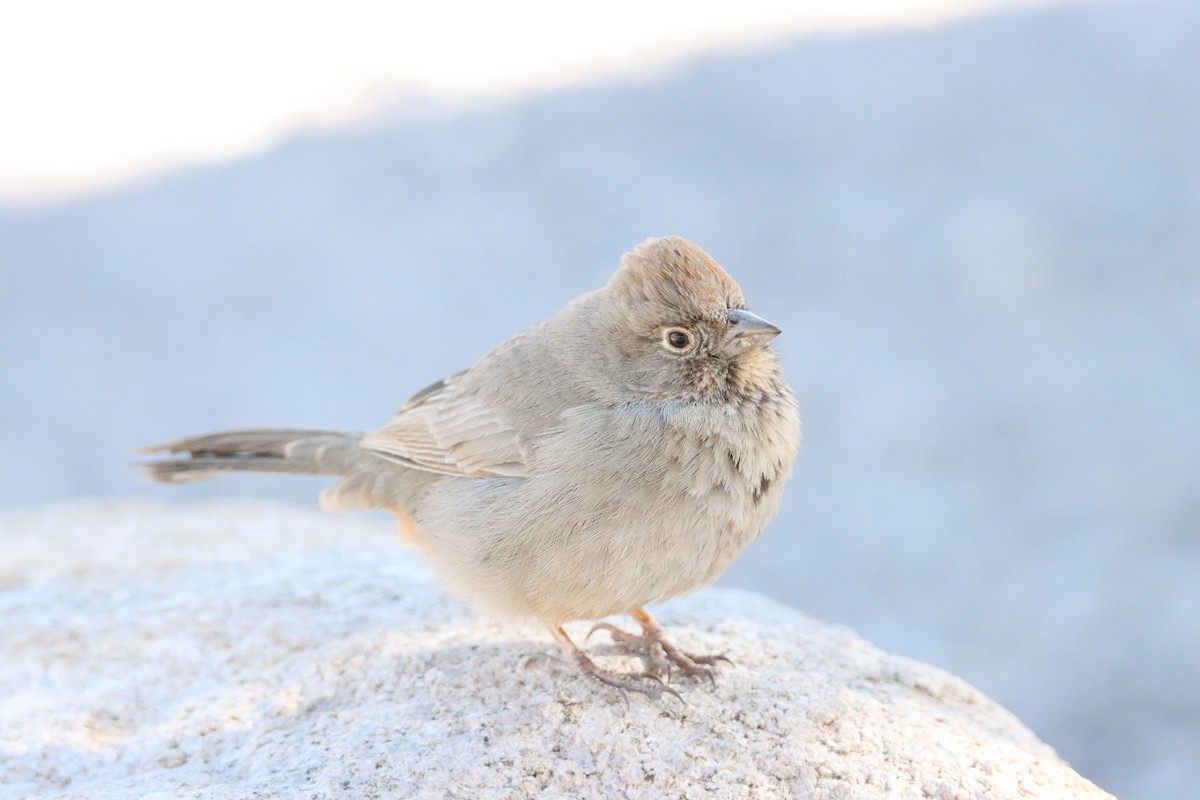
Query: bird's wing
{"points": [[450, 430]]}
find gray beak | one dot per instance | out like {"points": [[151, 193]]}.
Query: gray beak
{"points": [[750, 327]]}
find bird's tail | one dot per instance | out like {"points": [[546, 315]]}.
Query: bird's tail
{"points": [[299, 452]]}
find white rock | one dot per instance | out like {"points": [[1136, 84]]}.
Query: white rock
{"points": [[239, 650]]}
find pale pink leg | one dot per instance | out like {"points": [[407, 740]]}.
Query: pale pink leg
{"points": [[642, 682], [658, 653]]}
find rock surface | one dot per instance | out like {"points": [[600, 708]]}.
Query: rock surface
{"points": [[252, 650]]}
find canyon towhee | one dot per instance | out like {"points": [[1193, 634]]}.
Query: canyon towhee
{"points": [[623, 452]]}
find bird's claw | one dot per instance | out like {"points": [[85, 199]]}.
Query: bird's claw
{"points": [[710, 659], [700, 665], [607, 626], [658, 655], [646, 683]]}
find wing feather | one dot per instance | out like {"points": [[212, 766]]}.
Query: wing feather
{"points": [[449, 430]]}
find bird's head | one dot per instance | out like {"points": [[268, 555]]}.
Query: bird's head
{"points": [[676, 325]]}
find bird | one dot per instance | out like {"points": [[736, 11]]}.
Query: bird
{"points": [[619, 454]]}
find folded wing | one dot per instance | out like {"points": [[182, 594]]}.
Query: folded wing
{"points": [[452, 431]]}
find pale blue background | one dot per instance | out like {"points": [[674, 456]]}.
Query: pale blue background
{"points": [[982, 242]]}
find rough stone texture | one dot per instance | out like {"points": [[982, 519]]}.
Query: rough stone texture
{"points": [[252, 650]]}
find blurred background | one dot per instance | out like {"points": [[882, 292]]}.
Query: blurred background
{"points": [[978, 224]]}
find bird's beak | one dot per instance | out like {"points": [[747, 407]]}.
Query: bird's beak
{"points": [[750, 328]]}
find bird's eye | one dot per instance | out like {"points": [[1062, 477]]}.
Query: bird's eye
{"points": [[677, 339]]}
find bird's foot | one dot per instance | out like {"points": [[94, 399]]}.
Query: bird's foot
{"points": [[658, 654], [654, 658], [647, 683]]}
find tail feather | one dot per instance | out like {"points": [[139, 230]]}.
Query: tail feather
{"points": [[295, 451]]}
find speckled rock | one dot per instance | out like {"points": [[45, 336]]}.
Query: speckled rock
{"points": [[245, 650]]}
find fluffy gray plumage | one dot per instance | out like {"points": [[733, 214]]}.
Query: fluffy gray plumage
{"points": [[623, 452]]}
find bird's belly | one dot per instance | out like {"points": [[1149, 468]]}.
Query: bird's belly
{"points": [[562, 551], [612, 532]]}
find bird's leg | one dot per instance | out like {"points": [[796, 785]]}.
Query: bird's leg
{"points": [[653, 658], [642, 682], [654, 648]]}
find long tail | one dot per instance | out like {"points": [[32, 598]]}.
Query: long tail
{"points": [[303, 452]]}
